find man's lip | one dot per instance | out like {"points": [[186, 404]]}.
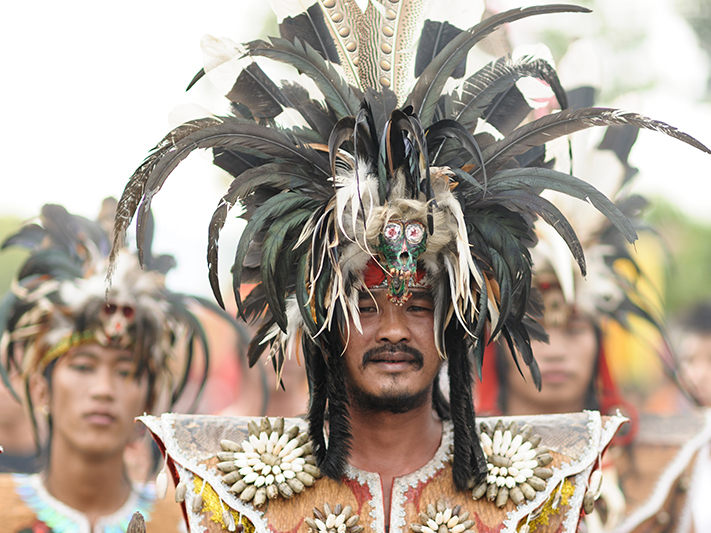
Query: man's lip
{"points": [[100, 418], [397, 357], [555, 376]]}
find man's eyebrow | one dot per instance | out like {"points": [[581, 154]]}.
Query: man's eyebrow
{"points": [[367, 295], [83, 354], [422, 294]]}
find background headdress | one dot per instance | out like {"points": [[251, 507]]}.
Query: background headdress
{"points": [[617, 288], [61, 299], [381, 137]]}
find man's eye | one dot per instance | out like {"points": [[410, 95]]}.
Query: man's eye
{"points": [[125, 371], [367, 309], [79, 367], [419, 309]]}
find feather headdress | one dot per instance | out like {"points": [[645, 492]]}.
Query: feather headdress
{"points": [[384, 157], [614, 288], [60, 300]]}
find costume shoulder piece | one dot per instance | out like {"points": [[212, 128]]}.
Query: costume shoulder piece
{"points": [[245, 474], [659, 474]]}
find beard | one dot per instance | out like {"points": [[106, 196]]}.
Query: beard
{"points": [[389, 400]]}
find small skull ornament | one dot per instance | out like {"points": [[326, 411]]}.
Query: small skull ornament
{"points": [[401, 243], [116, 320]]}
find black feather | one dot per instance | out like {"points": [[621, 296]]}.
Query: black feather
{"points": [[551, 127], [491, 92], [433, 38], [427, 90], [469, 461], [337, 93], [200, 74], [258, 92], [310, 27]]}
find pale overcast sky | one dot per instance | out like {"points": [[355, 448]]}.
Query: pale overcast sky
{"points": [[88, 87]]}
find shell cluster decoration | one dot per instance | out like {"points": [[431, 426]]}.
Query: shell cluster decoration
{"points": [[516, 463], [337, 520], [269, 463], [442, 519]]}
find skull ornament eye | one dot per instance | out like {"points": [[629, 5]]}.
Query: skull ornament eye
{"points": [[414, 232], [392, 231]]}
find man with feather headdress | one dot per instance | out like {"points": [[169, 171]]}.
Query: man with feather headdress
{"points": [[88, 359], [388, 229]]}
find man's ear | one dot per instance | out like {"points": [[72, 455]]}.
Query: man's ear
{"points": [[39, 391], [39, 401]]}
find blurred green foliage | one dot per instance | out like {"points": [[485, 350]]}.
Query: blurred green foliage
{"points": [[11, 258], [689, 244]]}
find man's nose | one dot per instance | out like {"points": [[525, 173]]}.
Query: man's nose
{"points": [[393, 326], [556, 348], [103, 385]]}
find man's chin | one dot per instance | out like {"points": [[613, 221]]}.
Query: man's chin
{"points": [[388, 401]]}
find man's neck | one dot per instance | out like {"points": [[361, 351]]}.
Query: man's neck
{"points": [[394, 445], [520, 406], [94, 486]]}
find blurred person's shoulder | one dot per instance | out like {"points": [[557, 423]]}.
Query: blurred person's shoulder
{"points": [[17, 516]]}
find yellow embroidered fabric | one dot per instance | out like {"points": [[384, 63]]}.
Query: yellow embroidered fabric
{"points": [[566, 492], [211, 502]]}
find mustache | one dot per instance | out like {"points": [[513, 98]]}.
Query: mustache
{"points": [[373, 353]]}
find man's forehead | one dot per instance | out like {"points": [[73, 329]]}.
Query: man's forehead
{"points": [[416, 294], [98, 352]]}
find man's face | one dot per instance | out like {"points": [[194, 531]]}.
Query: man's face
{"points": [[567, 364], [393, 363], [696, 365], [94, 398]]}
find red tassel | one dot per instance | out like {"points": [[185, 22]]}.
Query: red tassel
{"points": [[486, 390]]}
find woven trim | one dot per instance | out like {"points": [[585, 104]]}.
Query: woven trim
{"points": [[376, 494], [667, 479], [427, 472]]}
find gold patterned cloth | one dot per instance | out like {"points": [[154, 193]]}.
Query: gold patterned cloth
{"points": [[575, 441]]}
